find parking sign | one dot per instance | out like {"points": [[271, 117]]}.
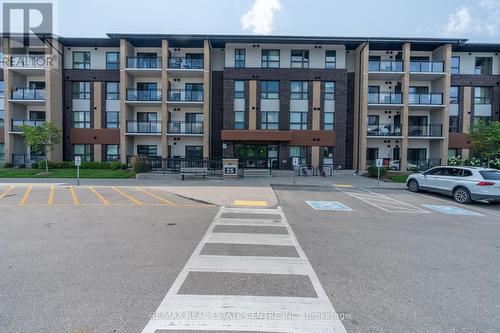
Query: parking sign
{"points": [[78, 160], [379, 163]]}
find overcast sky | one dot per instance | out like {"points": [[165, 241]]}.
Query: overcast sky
{"points": [[478, 20]]}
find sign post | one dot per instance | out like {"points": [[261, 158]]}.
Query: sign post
{"points": [[295, 163], [379, 164], [78, 162]]}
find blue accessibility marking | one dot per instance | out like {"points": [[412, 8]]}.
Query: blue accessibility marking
{"points": [[452, 210], [328, 205]]}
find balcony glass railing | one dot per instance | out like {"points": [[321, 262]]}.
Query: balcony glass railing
{"points": [[29, 61], [181, 127], [426, 99], [385, 98], [387, 129], [144, 95], [422, 165], [134, 126], [185, 63], [16, 124], [144, 62], [28, 94], [426, 66], [385, 66], [185, 95], [433, 130]]}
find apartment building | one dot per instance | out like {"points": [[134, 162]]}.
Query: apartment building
{"points": [[333, 101]]}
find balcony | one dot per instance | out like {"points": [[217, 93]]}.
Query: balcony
{"points": [[143, 62], [185, 63], [427, 67], [147, 96], [384, 99], [181, 127], [429, 99], [16, 124], [25, 94], [384, 130], [433, 130], [380, 69], [180, 95], [143, 127]]}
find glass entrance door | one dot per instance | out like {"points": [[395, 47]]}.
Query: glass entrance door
{"points": [[257, 156]]}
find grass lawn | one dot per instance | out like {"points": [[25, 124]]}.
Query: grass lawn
{"points": [[397, 178], [65, 173]]}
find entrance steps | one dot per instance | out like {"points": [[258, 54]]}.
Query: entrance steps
{"points": [[256, 173]]}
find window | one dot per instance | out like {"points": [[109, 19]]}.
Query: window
{"points": [[453, 152], [37, 115], [112, 60], [300, 59], [300, 152], [239, 58], [455, 65], [239, 119], [371, 155], [416, 154], [453, 126], [270, 59], [484, 119], [1, 90], [147, 150], [483, 66], [298, 120], [2, 152], [270, 89], [482, 95], [329, 121], [83, 151], [299, 90], [269, 120], [81, 60], [147, 116], [239, 89], [2, 117], [112, 153], [81, 119], [112, 90], [329, 90], [435, 172], [373, 120], [327, 155], [454, 94], [194, 152], [330, 59], [81, 90], [112, 119]]}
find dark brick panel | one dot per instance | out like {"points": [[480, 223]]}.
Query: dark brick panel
{"points": [[216, 116]]}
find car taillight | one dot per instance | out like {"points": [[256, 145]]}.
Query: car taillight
{"points": [[485, 184]]}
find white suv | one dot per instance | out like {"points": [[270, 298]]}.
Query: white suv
{"points": [[463, 183]]}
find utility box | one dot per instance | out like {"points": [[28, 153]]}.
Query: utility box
{"points": [[230, 168]]}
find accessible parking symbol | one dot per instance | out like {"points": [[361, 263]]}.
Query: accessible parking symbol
{"points": [[452, 210], [328, 205]]}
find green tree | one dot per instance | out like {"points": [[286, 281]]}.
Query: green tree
{"points": [[42, 139], [486, 139]]}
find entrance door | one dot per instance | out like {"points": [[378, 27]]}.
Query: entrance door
{"points": [[257, 156]]}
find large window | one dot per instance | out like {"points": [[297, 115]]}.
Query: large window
{"points": [[330, 59], [482, 95], [239, 58], [329, 121], [270, 59], [112, 60], [239, 119], [300, 152], [81, 60], [147, 150], [2, 118], [454, 95], [112, 90], [112, 119], [1, 90], [477, 119], [298, 90], [269, 120], [371, 155], [2, 152], [483, 66], [455, 65], [300, 59], [453, 124], [83, 151], [269, 89], [194, 152], [239, 89], [112, 153], [239, 111], [329, 90], [81, 90], [298, 120], [81, 119]]}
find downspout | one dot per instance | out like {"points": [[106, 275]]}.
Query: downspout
{"points": [[359, 106]]}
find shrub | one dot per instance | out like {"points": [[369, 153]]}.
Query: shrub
{"points": [[56, 164], [8, 165], [117, 165], [372, 171], [34, 165], [21, 166]]}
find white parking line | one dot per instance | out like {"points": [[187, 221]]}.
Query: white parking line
{"points": [[452, 202]]}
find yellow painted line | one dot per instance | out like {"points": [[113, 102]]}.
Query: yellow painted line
{"points": [[97, 194], [51, 195], [25, 196], [134, 200], [342, 185], [7, 191], [168, 202], [249, 203], [73, 195]]}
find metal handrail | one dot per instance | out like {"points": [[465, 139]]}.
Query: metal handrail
{"points": [[425, 130]]}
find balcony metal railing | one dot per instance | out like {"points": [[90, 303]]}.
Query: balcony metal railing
{"points": [[181, 127], [16, 124], [386, 129], [427, 66], [425, 130], [29, 61], [385, 66], [144, 62], [184, 63], [385, 98], [144, 95], [426, 99], [422, 165], [28, 94], [185, 95], [134, 126]]}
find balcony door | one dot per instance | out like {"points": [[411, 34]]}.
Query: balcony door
{"points": [[147, 60], [417, 154], [147, 116], [147, 91], [37, 115]]}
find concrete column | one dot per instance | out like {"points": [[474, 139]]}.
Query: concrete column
{"points": [[8, 85], [315, 151], [126, 49], [445, 114], [164, 98], [467, 109], [360, 106], [316, 105], [206, 99], [252, 104], [403, 150]]}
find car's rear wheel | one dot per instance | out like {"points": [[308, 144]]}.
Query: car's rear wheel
{"points": [[462, 195], [413, 185]]}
